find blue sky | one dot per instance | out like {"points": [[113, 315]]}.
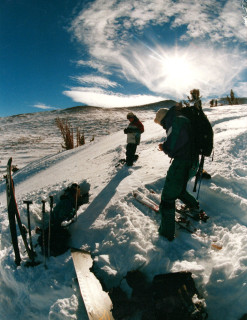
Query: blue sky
{"points": [[61, 53]]}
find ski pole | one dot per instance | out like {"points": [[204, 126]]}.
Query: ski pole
{"points": [[43, 231], [76, 195], [200, 176], [197, 196], [28, 221], [49, 233], [199, 172]]}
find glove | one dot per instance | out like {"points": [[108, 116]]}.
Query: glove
{"points": [[126, 130]]}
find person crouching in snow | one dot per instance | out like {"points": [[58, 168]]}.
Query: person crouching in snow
{"points": [[179, 147], [133, 131]]}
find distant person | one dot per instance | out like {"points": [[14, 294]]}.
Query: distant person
{"points": [[133, 131], [178, 146]]}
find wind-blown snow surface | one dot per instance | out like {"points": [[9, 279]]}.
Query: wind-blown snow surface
{"points": [[122, 234]]}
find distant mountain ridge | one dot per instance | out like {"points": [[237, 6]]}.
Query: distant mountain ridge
{"points": [[150, 106], [153, 106]]}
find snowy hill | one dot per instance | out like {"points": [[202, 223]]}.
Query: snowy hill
{"points": [[29, 137], [121, 234]]}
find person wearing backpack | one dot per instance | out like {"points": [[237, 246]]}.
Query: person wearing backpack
{"points": [[179, 146], [195, 100], [133, 131]]}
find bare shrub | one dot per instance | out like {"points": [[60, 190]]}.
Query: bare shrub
{"points": [[66, 132], [80, 138]]}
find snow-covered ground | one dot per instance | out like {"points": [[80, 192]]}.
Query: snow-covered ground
{"points": [[121, 234]]}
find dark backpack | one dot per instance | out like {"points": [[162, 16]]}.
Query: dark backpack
{"points": [[202, 130], [171, 296]]}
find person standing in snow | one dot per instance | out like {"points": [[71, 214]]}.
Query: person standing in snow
{"points": [[133, 131], [195, 99], [179, 147]]}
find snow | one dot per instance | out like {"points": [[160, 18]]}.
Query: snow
{"points": [[121, 234]]}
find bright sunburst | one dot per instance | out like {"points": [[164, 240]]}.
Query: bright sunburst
{"points": [[179, 71], [176, 65]]}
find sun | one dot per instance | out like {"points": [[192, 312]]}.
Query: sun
{"points": [[179, 71], [176, 65], [176, 68]]}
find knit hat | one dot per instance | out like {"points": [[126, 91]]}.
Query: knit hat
{"points": [[130, 115], [160, 115]]}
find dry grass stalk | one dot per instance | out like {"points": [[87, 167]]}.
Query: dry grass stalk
{"points": [[67, 133], [80, 138]]}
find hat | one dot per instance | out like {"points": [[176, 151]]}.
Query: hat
{"points": [[160, 115], [130, 115], [195, 93]]}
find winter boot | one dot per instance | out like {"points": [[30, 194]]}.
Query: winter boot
{"points": [[167, 226]]}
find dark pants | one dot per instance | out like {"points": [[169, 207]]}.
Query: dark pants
{"points": [[175, 188], [130, 153]]}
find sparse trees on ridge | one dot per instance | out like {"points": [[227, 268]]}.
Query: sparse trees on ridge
{"points": [[232, 99], [213, 103]]}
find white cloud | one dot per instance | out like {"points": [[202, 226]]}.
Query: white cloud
{"points": [[95, 65], [109, 24], [211, 19], [174, 72], [42, 106], [106, 27], [244, 5], [168, 72], [98, 97], [95, 80], [241, 89]]}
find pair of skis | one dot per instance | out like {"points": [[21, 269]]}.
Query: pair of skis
{"points": [[14, 216], [181, 216]]}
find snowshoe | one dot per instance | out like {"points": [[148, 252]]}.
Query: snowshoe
{"points": [[194, 213], [120, 162]]}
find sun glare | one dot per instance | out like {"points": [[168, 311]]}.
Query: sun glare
{"points": [[176, 65], [178, 71]]}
